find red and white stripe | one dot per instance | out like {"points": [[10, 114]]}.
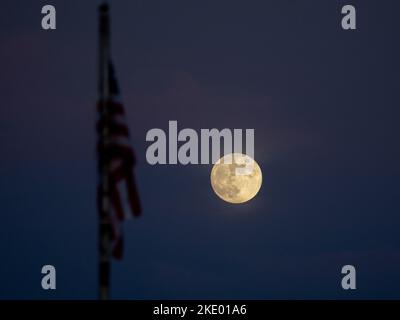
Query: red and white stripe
{"points": [[123, 195]]}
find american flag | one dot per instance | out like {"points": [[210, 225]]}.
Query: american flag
{"points": [[114, 149]]}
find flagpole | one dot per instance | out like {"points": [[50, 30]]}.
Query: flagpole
{"points": [[104, 185]]}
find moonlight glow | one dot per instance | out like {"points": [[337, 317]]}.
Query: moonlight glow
{"points": [[231, 186]]}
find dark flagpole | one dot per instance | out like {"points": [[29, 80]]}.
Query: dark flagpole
{"points": [[103, 191]]}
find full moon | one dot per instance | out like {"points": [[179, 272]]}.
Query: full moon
{"points": [[232, 185]]}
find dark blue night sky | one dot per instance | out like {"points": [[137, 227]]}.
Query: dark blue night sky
{"points": [[324, 104]]}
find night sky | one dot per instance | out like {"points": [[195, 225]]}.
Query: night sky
{"points": [[324, 104]]}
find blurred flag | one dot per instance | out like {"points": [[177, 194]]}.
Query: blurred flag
{"points": [[120, 158]]}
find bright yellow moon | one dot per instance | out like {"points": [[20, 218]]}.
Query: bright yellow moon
{"points": [[232, 182]]}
